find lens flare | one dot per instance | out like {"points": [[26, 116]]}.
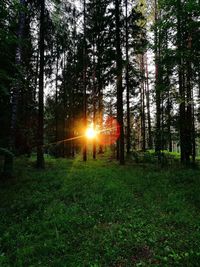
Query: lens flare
{"points": [[91, 133]]}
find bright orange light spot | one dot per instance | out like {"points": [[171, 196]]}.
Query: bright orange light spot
{"points": [[91, 133]]}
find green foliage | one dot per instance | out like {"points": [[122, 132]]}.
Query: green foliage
{"points": [[99, 214], [166, 158]]}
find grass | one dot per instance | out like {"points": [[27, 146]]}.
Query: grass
{"points": [[99, 214]]}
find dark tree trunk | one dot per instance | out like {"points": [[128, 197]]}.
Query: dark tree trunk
{"points": [[74, 87], [162, 123], [169, 101], [94, 125], [189, 123], [40, 153], [56, 100], [36, 76], [128, 134], [169, 120], [193, 136], [84, 86], [190, 128], [143, 115], [94, 103], [182, 113], [157, 85], [100, 88], [100, 108], [150, 142], [15, 90], [119, 83]]}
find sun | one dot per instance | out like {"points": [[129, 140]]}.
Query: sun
{"points": [[90, 133]]}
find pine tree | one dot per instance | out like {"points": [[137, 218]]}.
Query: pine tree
{"points": [[40, 155], [120, 118], [18, 61]]}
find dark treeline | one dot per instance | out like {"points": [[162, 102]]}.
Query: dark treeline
{"points": [[65, 66]]}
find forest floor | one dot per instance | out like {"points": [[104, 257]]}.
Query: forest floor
{"points": [[75, 214]]}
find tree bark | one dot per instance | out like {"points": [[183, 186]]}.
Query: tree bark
{"points": [[147, 93], [182, 113], [143, 115], [84, 86], [128, 134], [16, 88], [56, 100], [40, 153], [157, 85], [119, 83]]}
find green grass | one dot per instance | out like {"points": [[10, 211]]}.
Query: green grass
{"points": [[99, 214]]}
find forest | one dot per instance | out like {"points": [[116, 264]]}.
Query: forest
{"points": [[99, 133]]}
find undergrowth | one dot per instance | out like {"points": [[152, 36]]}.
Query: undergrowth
{"points": [[99, 214]]}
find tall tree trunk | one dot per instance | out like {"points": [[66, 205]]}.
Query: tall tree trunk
{"points": [[73, 89], [162, 122], [193, 134], [16, 88], [143, 115], [94, 102], [182, 115], [84, 85], [40, 153], [119, 83], [189, 123], [169, 101], [56, 100], [100, 108], [157, 85], [94, 125], [128, 134], [100, 88], [169, 120], [190, 129], [147, 93], [36, 76]]}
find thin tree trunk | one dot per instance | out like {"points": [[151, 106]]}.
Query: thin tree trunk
{"points": [[119, 83], [56, 100], [100, 90], [169, 122], [143, 115], [193, 131], [40, 154], [100, 115], [189, 109], [128, 134], [182, 114], [169, 101], [36, 75], [94, 103], [94, 125], [162, 122], [84, 86], [157, 85], [150, 142], [73, 89]]}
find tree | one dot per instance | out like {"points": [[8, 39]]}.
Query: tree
{"points": [[128, 134], [120, 118], [40, 143], [18, 61], [157, 81], [84, 81]]}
